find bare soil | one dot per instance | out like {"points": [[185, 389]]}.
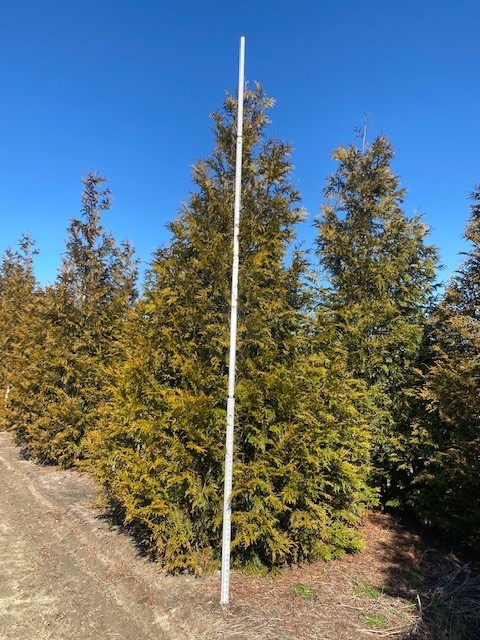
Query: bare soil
{"points": [[66, 573]]}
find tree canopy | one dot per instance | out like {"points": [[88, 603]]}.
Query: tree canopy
{"points": [[350, 377], [301, 452], [445, 440]]}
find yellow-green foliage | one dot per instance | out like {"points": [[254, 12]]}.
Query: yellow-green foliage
{"points": [[380, 272], [301, 444], [444, 445], [75, 328], [19, 301]]}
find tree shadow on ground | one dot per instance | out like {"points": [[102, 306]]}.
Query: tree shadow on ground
{"points": [[442, 582], [113, 514]]}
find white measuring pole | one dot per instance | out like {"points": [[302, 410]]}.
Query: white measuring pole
{"points": [[226, 539]]}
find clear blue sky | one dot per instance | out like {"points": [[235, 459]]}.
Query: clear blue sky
{"points": [[125, 87]]}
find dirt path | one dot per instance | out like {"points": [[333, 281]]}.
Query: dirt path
{"points": [[66, 574]]}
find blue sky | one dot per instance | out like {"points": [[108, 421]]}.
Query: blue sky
{"points": [[126, 87]]}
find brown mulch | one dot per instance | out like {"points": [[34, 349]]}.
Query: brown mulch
{"points": [[383, 592], [370, 594]]}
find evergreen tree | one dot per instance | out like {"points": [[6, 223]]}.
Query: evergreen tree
{"points": [[18, 307], [301, 443], [446, 451], [83, 315], [380, 272]]}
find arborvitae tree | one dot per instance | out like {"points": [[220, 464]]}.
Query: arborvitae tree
{"points": [[19, 299], [83, 314], [445, 443], [380, 274], [301, 444]]}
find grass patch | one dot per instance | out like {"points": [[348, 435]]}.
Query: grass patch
{"points": [[365, 590], [309, 593], [375, 620]]}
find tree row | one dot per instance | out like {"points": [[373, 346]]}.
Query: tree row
{"points": [[357, 385]]}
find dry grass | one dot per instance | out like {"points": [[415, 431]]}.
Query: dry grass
{"points": [[451, 607]]}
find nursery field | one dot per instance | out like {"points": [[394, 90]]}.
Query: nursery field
{"points": [[67, 573]]}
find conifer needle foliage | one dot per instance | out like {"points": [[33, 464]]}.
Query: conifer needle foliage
{"points": [[379, 272], [79, 319], [19, 299], [301, 444], [330, 382], [445, 441]]}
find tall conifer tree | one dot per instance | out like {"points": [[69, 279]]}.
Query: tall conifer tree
{"points": [[380, 274], [83, 314], [19, 300], [301, 443], [446, 451]]}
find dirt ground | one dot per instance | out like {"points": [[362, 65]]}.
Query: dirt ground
{"points": [[66, 573]]}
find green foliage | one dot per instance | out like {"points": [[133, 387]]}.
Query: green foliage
{"points": [[301, 443], [19, 299], [135, 391], [446, 436], [379, 274], [77, 323]]}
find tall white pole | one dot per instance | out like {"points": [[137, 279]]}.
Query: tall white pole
{"points": [[226, 539]]}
